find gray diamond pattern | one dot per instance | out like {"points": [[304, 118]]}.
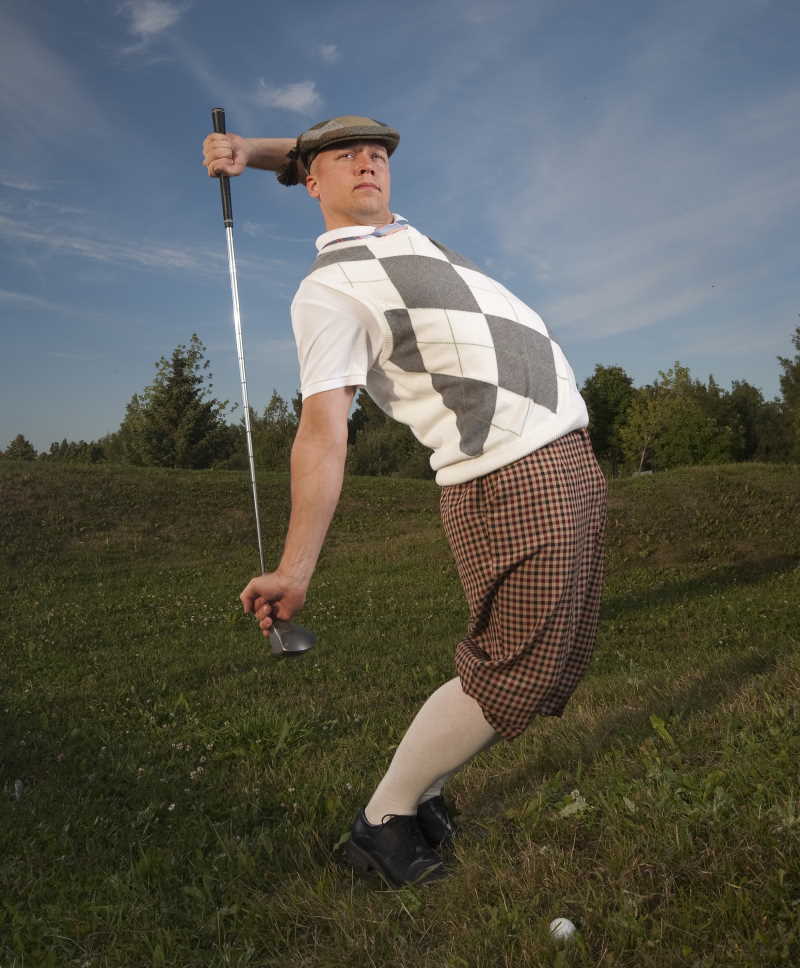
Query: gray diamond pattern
{"points": [[525, 362], [427, 283], [405, 349], [473, 403], [524, 356]]}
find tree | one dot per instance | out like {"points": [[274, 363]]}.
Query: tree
{"points": [[20, 448], [790, 392], [745, 406], [113, 448], [667, 426], [132, 431], [608, 394], [174, 423], [77, 452], [273, 433], [790, 378], [774, 433], [381, 446], [366, 413]]}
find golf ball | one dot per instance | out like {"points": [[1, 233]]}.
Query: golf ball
{"points": [[562, 928]]}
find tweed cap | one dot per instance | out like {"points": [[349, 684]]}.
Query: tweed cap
{"points": [[335, 131]]}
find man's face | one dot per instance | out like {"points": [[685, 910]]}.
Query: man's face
{"points": [[352, 184]]}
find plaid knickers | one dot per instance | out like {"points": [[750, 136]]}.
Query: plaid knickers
{"points": [[528, 544]]}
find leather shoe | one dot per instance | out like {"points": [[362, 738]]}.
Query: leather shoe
{"points": [[436, 823], [396, 850]]}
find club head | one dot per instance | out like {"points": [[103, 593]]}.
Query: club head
{"points": [[287, 639]]}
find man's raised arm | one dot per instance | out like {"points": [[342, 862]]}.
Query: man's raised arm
{"points": [[230, 154]]}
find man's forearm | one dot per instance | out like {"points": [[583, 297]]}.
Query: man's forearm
{"points": [[317, 472], [268, 154]]}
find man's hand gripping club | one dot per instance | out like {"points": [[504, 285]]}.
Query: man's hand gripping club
{"points": [[272, 596], [230, 154]]}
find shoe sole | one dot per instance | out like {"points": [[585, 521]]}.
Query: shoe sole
{"points": [[365, 863]]}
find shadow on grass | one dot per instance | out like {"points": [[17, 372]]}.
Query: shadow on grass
{"points": [[718, 580], [629, 727]]}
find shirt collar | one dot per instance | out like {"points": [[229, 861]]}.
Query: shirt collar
{"points": [[348, 232]]}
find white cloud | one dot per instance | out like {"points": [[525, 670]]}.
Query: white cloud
{"points": [[301, 97], [26, 299], [329, 53], [151, 17], [103, 250], [136, 253], [20, 182]]}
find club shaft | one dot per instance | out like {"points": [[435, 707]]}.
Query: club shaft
{"points": [[237, 325]]}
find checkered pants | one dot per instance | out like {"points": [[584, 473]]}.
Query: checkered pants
{"points": [[528, 544]]}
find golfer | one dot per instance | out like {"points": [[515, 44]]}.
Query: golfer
{"points": [[442, 347]]}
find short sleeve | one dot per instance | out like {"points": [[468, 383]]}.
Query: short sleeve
{"points": [[338, 338]]}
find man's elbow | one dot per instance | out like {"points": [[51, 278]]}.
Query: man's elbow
{"points": [[330, 440]]}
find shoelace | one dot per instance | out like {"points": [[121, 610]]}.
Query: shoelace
{"points": [[413, 829]]}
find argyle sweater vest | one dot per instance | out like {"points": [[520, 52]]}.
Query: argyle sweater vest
{"points": [[465, 364]]}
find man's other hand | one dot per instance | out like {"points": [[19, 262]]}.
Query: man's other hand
{"points": [[225, 154]]}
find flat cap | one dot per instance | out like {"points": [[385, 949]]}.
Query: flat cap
{"points": [[335, 131]]}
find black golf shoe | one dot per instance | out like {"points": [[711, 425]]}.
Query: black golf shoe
{"points": [[436, 823], [396, 849]]}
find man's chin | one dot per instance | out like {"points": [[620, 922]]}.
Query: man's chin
{"points": [[375, 214]]}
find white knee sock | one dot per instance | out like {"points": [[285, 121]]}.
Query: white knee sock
{"points": [[447, 732]]}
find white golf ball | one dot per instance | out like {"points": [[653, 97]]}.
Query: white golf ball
{"points": [[562, 928]]}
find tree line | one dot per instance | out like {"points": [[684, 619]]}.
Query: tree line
{"points": [[675, 421]]}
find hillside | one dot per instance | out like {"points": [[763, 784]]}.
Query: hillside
{"points": [[173, 795]]}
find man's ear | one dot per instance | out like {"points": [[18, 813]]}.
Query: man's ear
{"points": [[312, 187]]}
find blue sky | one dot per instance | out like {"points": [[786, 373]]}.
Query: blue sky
{"points": [[628, 169]]}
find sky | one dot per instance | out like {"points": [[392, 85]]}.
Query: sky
{"points": [[628, 169]]}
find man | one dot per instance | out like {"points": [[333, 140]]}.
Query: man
{"points": [[471, 369]]}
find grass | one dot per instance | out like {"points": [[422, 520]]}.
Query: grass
{"points": [[172, 795]]}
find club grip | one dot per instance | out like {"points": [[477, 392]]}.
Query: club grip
{"points": [[218, 122]]}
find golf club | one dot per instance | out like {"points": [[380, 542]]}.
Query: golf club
{"points": [[286, 638]]}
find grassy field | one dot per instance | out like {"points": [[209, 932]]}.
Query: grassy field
{"points": [[172, 795]]}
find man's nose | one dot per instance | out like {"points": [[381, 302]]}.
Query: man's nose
{"points": [[365, 160]]}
